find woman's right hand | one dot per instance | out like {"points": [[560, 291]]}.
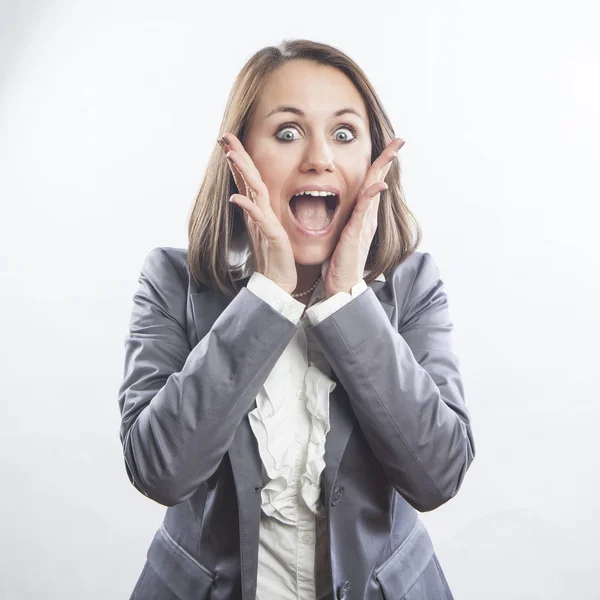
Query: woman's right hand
{"points": [[273, 254]]}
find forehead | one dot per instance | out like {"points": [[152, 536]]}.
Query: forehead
{"points": [[318, 90]]}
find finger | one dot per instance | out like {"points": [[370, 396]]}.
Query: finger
{"points": [[238, 168], [266, 224], [383, 164], [389, 153], [375, 190], [372, 207], [239, 180], [255, 187], [366, 200], [237, 177], [237, 146], [380, 167]]}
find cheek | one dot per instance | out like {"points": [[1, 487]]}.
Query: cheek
{"points": [[274, 173], [355, 183], [355, 173]]}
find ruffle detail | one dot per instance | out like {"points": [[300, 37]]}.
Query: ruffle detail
{"points": [[318, 388], [279, 449]]}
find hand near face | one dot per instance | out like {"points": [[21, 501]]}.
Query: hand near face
{"points": [[349, 258], [273, 253]]}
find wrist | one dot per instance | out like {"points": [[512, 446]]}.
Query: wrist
{"points": [[334, 292], [286, 288]]}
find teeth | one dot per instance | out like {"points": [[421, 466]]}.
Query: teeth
{"points": [[315, 193]]}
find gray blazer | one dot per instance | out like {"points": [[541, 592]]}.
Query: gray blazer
{"points": [[400, 440]]}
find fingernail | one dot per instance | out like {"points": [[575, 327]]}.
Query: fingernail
{"points": [[224, 139], [221, 142]]}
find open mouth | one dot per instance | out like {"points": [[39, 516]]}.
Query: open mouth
{"points": [[314, 213]]}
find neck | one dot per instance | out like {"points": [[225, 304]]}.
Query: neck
{"points": [[307, 275]]}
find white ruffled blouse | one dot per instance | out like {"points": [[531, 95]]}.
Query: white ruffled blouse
{"points": [[292, 413]]}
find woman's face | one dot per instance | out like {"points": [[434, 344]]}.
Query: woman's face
{"points": [[291, 150]]}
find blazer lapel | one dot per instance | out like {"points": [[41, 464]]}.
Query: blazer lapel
{"points": [[341, 423]]}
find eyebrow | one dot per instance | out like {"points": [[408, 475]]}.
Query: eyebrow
{"points": [[297, 111]]}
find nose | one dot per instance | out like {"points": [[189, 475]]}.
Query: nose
{"points": [[318, 157]]}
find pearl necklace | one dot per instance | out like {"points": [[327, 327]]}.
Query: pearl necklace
{"points": [[309, 290]]}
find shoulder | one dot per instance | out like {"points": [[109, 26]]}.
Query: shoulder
{"points": [[417, 269], [164, 283], [414, 279], [164, 262]]}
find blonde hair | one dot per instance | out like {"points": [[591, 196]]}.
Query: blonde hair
{"points": [[217, 227]]}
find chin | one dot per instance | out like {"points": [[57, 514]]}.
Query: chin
{"points": [[312, 254]]}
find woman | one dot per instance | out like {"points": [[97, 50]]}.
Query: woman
{"points": [[297, 407]]}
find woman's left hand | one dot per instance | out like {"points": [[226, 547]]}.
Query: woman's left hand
{"points": [[347, 264]]}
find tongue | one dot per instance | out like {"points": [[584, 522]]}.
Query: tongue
{"points": [[310, 211]]}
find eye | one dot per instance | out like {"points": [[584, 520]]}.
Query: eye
{"points": [[352, 131], [287, 136], [291, 126]]}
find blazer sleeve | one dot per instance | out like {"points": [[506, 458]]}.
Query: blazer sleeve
{"points": [[405, 387], [180, 406]]}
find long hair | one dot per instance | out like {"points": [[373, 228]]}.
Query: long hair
{"points": [[216, 228]]}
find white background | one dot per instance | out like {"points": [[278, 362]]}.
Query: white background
{"points": [[108, 113]]}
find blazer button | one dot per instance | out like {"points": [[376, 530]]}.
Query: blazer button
{"points": [[343, 591], [338, 492], [256, 488]]}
